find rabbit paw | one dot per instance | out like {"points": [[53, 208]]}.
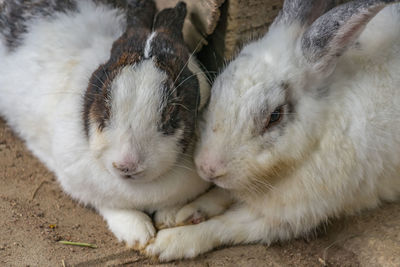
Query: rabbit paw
{"points": [[133, 227], [178, 243], [210, 204], [165, 218], [191, 214]]}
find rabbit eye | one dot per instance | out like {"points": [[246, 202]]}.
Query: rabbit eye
{"points": [[275, 117]]}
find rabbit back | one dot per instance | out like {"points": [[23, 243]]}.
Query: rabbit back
{"points": [[45, 67]]}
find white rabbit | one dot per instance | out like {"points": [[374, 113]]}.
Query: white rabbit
{"points": [[301, 127], [107, 98]]}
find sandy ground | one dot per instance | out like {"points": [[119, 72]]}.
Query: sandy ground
{"points": [[36, 214]]}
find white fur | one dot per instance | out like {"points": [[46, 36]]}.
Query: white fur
{"points": [[203, 82], [342, 150], [42, 85], [147, 48]]}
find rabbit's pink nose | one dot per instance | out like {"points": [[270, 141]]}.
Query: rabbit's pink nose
{"points": [[211, 170], [128, 168]]}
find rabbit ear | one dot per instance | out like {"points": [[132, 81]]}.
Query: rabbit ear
{"points": [[170, 20], [330, 35], [140, 13], [304, 12]]}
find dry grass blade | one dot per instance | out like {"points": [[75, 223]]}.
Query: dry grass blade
{"points": [[77, 244]]}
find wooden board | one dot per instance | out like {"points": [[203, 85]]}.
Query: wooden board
{"points": [[241, 21], [244, 20]]}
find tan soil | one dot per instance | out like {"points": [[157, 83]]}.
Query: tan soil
{"points": [[35, 214]]}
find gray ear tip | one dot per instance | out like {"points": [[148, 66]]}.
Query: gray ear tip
{"points": [[332, 33], [181, 9], [171, 19]]}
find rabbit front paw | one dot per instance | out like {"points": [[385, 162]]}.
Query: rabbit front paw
{"points": [[165, 218], [191, 214], [178, 243], [133, 227], [212, 203]]}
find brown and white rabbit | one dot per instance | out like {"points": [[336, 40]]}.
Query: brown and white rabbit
{"points": [[301, 127], [108, 99]]}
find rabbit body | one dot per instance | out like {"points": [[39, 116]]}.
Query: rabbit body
{"points": [[335, 147], [44, 76]]}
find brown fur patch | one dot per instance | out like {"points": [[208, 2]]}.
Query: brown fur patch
{"points": [[96, 107], [127, 50], [170, 55], [182, 87]]}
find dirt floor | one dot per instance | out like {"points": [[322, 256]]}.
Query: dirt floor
{"points": [[36, 214]]}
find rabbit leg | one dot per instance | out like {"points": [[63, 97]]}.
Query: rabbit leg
{"points": [[133, 227]]}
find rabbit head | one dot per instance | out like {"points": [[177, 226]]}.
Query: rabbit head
{"points": [[141, 105], [268, 106]]}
